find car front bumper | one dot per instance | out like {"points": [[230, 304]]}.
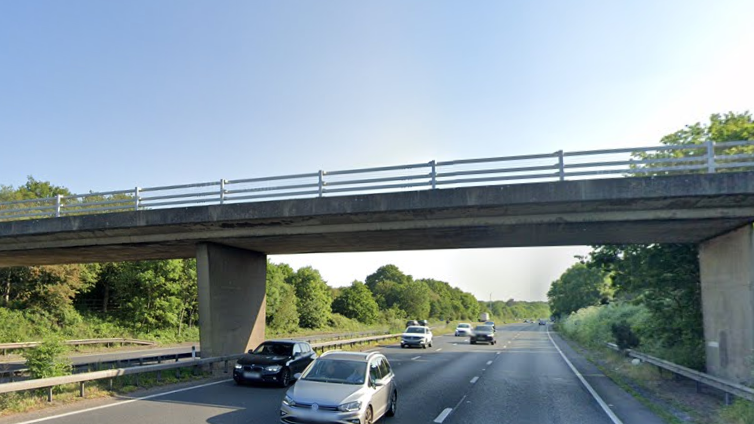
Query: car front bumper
{"points": [[295, 415], [256, 376], [412, 342]]}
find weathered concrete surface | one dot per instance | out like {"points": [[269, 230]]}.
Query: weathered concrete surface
{"points": [[231, 284], [683, 209], [727, 274]]}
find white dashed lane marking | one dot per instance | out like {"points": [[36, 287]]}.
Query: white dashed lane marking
{"points": [[444, 414], [474, 380]]}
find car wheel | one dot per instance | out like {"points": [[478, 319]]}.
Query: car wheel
{"points": [[369, 416], [424, 346], [393, 404], [285, 377], [238, 381], [430, 344], [473, 342]]}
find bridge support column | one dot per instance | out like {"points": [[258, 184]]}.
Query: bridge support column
{"points": [[727, 273], [231, 286]]}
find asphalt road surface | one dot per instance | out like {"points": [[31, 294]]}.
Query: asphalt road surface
{"points": [[522, 379]]}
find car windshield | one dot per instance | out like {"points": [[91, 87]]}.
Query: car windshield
{"points": [[483, 328], [331, 371], [278, 349], [415, 330], [464, 326]]}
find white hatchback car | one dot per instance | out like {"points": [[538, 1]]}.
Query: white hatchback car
{"points": [[463, 329]]}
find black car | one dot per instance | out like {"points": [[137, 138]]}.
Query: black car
{"points": [[483, 334], [423, 322], [412, 322], [274, 361]]}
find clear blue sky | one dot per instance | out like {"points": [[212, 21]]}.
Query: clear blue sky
{"points": [[99, 95]]}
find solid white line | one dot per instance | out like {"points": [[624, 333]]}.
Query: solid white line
{"points": [[415, 358], [444, 414], [498, 353], [67, 414], [438, 349], [474, 380], [594, 394], [489, 362]]}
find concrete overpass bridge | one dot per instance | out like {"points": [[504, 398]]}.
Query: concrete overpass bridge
{"points": [[231, 241]]}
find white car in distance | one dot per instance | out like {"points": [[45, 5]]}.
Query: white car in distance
{"points": [[416, 335], [463, 329]]}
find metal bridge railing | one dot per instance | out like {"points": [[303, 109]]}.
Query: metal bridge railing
{"points": [[708, 157]]}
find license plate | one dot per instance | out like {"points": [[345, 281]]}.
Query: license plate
{"points": [[252, 375]]}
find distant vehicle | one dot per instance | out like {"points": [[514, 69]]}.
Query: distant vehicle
{"points": [[484, 316], [274, 361], [342, 387], [542, 322], [423, 322], [483, 334], [491, 324], [463, 329], [417, 336], [412, 322]]}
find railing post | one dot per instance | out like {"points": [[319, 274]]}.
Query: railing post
{"points": [[434, 174], [321, 183], [136, 198], [49, 394], [561, 165], [57, 205], [222, 191], [710, 157]]}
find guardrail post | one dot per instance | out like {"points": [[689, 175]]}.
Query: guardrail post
{"points": [[193, 352], [49, 394], [727, 398], [321, 183], [222, 191], [136, 198], [710, 157], [561, 165], [434, 174], [226, 366], [57, 205], [81, 389]]}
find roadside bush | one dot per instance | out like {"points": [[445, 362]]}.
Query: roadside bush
{"points": [[592, 326], [48, 360], [624, 336]]}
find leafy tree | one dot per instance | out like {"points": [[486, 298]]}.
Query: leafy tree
{"points": [[282, 313], [312, 298], [721, 128], [578, 287], [665, 279], [414, 299], [357, 302], [386, 273]]}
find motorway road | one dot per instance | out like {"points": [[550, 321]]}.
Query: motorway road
{"points": [[522, 379]]}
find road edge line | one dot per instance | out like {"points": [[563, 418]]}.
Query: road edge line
{"points": [[109, 405], [588, 386]]}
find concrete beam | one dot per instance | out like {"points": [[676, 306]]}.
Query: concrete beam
{"points": [[231, 285], [727, 273]]}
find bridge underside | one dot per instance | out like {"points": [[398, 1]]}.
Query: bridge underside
{"points": [[441, 237]]}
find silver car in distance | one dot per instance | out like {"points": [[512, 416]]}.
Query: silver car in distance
{"points": [[342, 388]]}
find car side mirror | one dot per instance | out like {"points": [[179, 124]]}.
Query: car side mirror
{"points": [[297, 376], [250, 351], [378, 383]]}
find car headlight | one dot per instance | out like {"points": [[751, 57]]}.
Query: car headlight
{"points": [[239, 366], [273, 368], [350, 406], [288, 401]]}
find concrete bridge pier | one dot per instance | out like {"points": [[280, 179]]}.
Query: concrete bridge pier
{"points": [[231, 285], [727, 273]]}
